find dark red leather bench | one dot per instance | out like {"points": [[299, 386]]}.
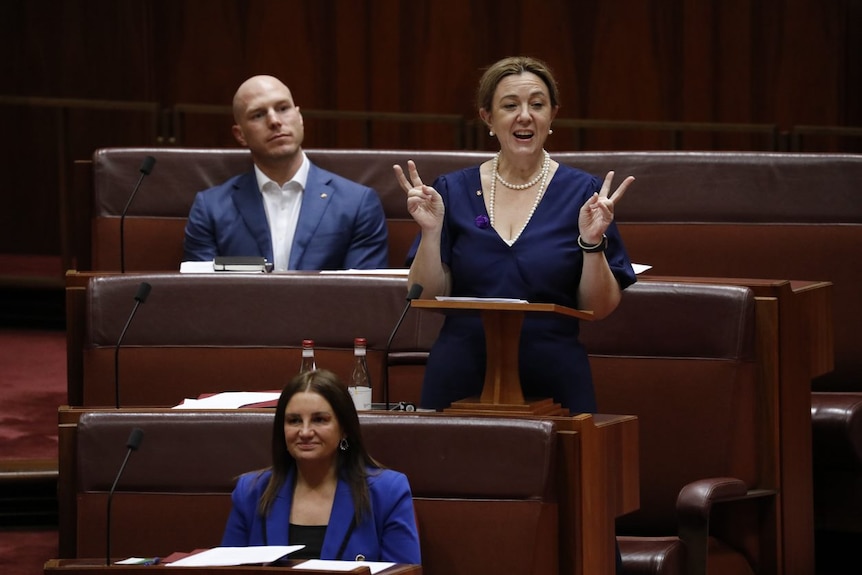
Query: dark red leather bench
{"points": [[480, 485], [206, 333], [701, 392], [714, 214]]}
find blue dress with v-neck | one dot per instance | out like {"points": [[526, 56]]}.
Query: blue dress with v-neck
{"points": [[542, 266]]}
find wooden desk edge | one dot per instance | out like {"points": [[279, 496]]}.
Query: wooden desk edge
{"points": [[94, 566]]}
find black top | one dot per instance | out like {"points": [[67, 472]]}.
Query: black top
{"points": [[309, 535]]}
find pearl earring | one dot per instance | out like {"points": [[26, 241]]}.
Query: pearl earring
{"points": [[550, 132], [491, 133]]}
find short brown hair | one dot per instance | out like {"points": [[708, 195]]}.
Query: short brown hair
{"points": [[512, 66]]}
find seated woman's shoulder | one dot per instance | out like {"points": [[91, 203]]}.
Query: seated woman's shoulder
{"points": [[254, 479], [385, 478]]}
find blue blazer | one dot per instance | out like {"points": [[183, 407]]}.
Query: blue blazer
{"points": [[341, 224], [388, 534]]}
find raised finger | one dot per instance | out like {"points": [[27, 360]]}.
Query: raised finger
{"points": [[414, 174], [402, 179], [606, 185], [618, 193]]}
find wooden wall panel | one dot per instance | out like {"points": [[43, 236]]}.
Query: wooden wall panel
{"points": [[805, 63], [95, 49], [779, 62], [850, 78], [30, 221]]}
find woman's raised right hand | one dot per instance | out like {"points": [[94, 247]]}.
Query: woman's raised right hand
{"points": [[424, 203]]}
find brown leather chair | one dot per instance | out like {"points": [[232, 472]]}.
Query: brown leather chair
{"points": [[755, 206], [156, 218], [837, 440], [682, 358], [206, 333], [481, 486]]}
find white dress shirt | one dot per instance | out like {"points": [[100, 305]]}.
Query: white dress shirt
{"points": [[282, 205]]}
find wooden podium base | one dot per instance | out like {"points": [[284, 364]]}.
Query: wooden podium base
{"points": [[529, 407], [502, 321]]}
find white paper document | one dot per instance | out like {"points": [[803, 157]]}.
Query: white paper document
{"points": [[481, 299], [138, 561], [323, 565], [197, 267], [228, 400], [227, 556]]}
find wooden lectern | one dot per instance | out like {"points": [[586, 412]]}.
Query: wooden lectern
{"points": [[598, 454], [502, 321]]}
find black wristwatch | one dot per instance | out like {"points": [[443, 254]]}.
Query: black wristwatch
{"points": [[593, 248]]}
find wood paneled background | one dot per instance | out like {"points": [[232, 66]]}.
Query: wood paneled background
{"points": [[784, 63]]}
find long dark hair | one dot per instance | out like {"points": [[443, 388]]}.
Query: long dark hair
{"points": [[353, 463]]}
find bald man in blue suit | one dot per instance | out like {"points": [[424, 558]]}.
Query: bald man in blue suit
{"points": [[287, 210]]}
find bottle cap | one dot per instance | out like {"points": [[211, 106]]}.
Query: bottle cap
{"points": [[360, 341], [308, 343]]}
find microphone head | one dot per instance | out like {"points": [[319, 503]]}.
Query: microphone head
{"points": [[414, 292], [135, 438], [147, 165], [143, 292]]}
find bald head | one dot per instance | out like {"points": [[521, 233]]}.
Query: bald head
{"points": [[255, 87], [269, 124]]}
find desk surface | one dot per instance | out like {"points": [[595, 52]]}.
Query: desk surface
{"points": [[97, 567]]}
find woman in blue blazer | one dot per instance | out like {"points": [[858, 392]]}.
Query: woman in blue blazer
{"points": [[323, 490]]}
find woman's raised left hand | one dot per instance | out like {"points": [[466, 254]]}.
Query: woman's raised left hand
{"points": [[597, 213]]}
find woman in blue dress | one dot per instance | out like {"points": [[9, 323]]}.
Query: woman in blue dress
{"points": [[517, 226]]}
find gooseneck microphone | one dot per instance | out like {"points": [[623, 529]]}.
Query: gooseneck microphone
{"points": [[140, 297], [413, 293], [146, 168], [133, 443]]}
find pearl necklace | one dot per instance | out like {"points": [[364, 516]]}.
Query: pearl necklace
{"points": [[546, 168], [546, 163]]}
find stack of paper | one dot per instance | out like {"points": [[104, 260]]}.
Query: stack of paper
{"points": [[229, 400]]}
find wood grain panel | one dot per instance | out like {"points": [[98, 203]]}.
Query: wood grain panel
{"points": [[775, 62]]}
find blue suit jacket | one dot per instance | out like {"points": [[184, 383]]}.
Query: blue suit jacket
{"points": [[341, 224], [388, 534]]}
